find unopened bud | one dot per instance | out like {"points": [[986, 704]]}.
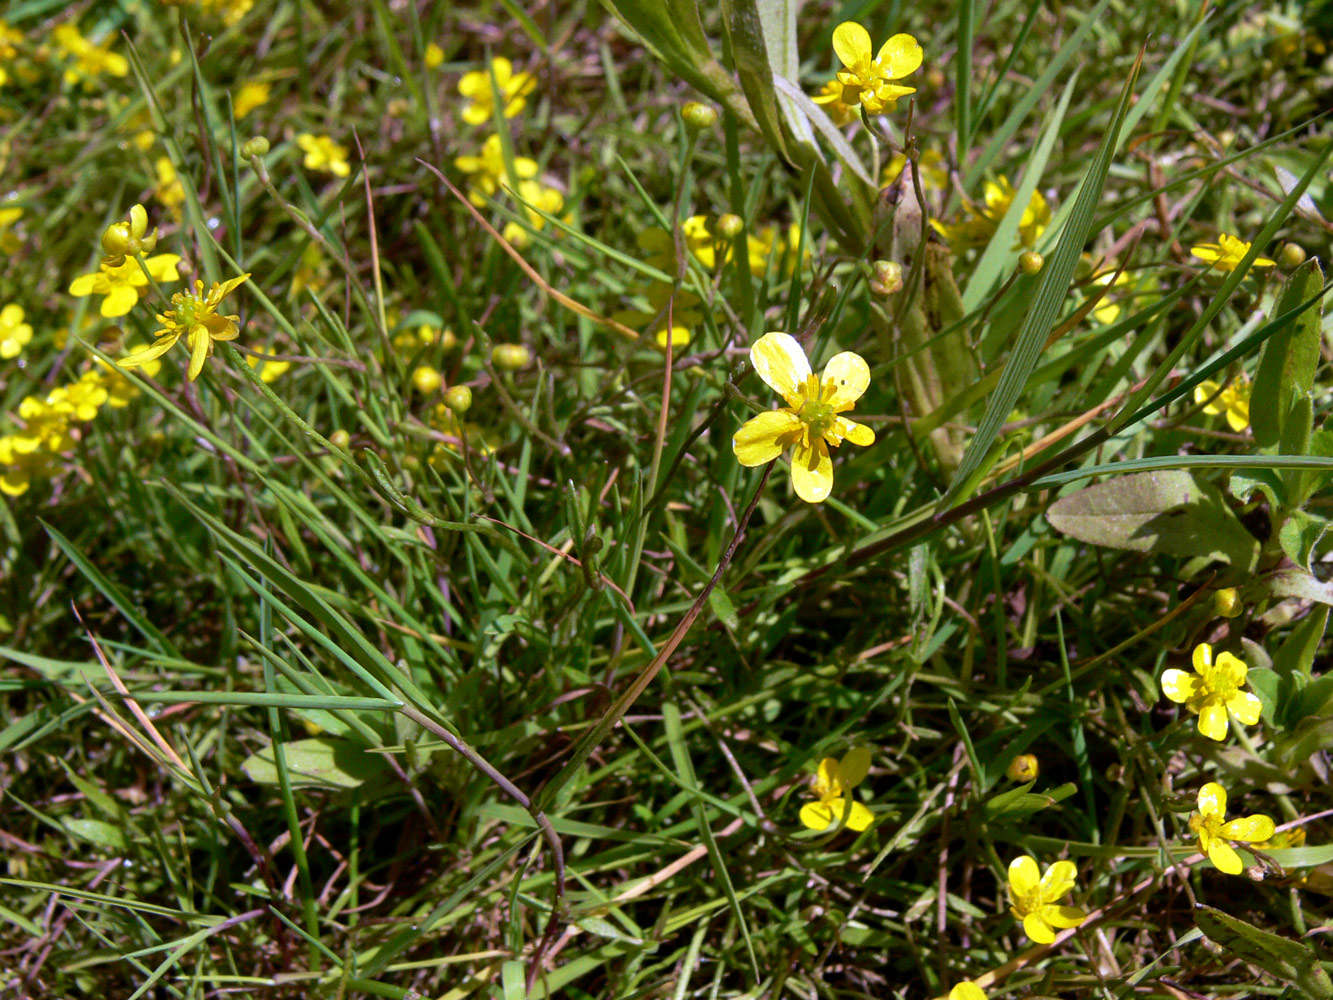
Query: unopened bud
{"points": [[886, 277], [256, 146], [699, 116], [129, 238], [1031, 262], [729, 226], [426, 380], [1022, 769], [459, 399], [340, 439], [1291, 256], [448, 340], [510, 357], [1226, 603]]}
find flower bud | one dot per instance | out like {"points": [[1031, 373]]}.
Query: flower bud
{"points": [[1022, 769], [1227, 603], [1291, 256], [510, 357], [459, 399], [698, 116], [129, 238], [340, 439], [448, 340], [886, 277], [256, 146], [1031, 262], [426, 380], [729, 226]]}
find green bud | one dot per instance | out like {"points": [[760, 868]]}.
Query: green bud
{"points": [[510, 357], [886, 277], [256, 146], [340, 439], [729, 226], [699, 116], [1291, 256], [458, 399], [1031, 262], [1227, 604], [1022, 769]]}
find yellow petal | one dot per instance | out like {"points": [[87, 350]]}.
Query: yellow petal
{"points": [[817, 816], [1250, 828], [782, 364], [476, 114], [860, 817], [855, 433], [1224, 858], [1263, 262], [474, 84], [1058, 880], [1038, 929], [162, 267], [199, 348], [151, 353], [850, 375], [1203, 657], [83, 284], [1245, 707], [851, 42], [765, 436], [1063, 916], [119, 301], [854, 766], [1024, 875], [1206, 251], [967, 991], [812, 472], [1179, 686], [1213, 799], [1213, 720], [900, 56]]}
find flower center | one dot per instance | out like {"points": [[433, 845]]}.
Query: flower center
{"points": [[187, 309], [817, 414], [1028, 902]]}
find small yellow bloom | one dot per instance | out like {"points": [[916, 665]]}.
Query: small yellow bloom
{"points": [[434, 56], [1022, 768], [120, 390], [1213, 691], [170, 191], [486, 173], [1033, 898], [79, 400], [1227, 252], [18, 468], [867, 80], [89, 60], [685, 315], [1108, 310], [45, 427], [967, 990], [833, 784], [123, 285], [830, 99], [513, 87], [977, 229], [192, 315], [267, 369], [426, 380], [698, 238], [538, 197], [251, 95], [812, 419], [128, 238], [9, 241], [931, 167], [14, 333], [322, 153], [1214, 831], [1233, 401]]}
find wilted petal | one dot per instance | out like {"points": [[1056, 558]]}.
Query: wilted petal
{"points": [[851, 43], [812, 472], [1024, 875], [849, 375], [765, 436], [1179, 686], [782, 364]]}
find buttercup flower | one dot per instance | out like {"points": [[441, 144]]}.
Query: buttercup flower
{"points": [[967, 990], [122, 285], [129, 238], [89, 60], [1034, 898], [19, 468], [251, 95], [14, 333], [981, 222], [867, 80], [433, 56], [812, 419], [1227, 252], [833, 784], [538, 196], [192, 315], [120, 390], [80, 400], [685, 315], [45, 427], [323, 154], [513, 87], [1214, 831], [267, 369], [698, 238], [486, 173], [830, 99], [1233, 401], [1213, 691], [931, 167]]}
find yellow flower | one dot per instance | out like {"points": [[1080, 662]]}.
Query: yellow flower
{"points": [[322, 153], [250, 96], [967, 990], [812, 419], [427, 380], [696, 235], [979, 227], [79, 400], [19, 468], [90, 60], [513, 87], [128, 238], [833, 784], [770, 241], [267, 370], [45, 427], [120, 390], [1107, 311], [14, 333], [1227, 252], [538, 196], [1233, 401], [830, 99], [486, 173], [1213, 691], [685, 315], [192, 315], [122, 285], [434, 56], [866, 80], [1214, 831], [170, 190], [1023, 768], [9, 242], [931, 167], [9, 39], [1033, 899]]}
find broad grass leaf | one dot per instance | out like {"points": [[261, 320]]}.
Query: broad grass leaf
{"points": [[318, 762], [1289, 961], [1287, 367]]}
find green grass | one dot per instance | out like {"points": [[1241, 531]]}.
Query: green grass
{"points": [[315, 689]]}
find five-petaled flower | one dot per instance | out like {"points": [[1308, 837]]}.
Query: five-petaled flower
{"points": [[513, 87], [866, 79], [322, 153], [1214, 831], [1033, 898], [1231, 400], [1213, 691], [192, 315], [1227, 252], [123, 285], [833, 784], [812, 419]]}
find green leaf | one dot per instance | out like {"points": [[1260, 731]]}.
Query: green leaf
{"points": [[722, 606], [1298, 583], [1287, 366], [1296, 654], [1244, 482], [1289, 961], [1268, 685], [1314, 700], [755, 27], [1311, 735], [98, 832], [1166, 512], [1299, 535], [1021, 801], [318, 762]]}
